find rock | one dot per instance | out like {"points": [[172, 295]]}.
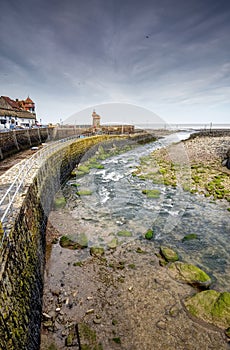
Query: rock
{"points": [[69, 340], [83, 240], [124, 233], [68, 242], [149, 234], [59, 202], [113, 244], [189, 237], [228, 163], [152, 193], [90, 311], [168, 254], [190, 274], [227, 332], [97, 251], [211, 306]]}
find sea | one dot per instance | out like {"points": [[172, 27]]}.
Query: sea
{"points": [[201, 126]]}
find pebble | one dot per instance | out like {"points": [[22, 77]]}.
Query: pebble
{"points": [[90, 311]]}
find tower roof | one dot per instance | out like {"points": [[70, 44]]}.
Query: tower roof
{"points": [[28, 100]]}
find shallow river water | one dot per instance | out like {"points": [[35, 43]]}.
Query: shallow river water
{"points": [[117, 203]]}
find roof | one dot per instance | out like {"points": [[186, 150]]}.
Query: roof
{"points": [[18, 113], [28, 100], [13, 104]]}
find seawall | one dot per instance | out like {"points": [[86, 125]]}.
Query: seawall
{"points": [[15, 141], [23, 250]]}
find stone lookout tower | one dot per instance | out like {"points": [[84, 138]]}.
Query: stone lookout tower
{"points": [[96, 120]]}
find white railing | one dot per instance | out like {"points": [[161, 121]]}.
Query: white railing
{"points": [[25, 172]]}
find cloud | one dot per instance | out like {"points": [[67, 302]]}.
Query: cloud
{"points": [[74, 54]]}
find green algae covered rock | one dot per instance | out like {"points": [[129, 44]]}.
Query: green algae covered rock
{"points": [[152, 193], [82, 239], [68, 242], [59, 202], [124, 233], [97, 251], [149, 234], [113, 243], [168, 254], [84, 192], [210, 306], [189, 237], [190, 274]]}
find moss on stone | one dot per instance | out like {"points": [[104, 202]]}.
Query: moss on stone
{"points": [[84, 192], [149, 234], [169, 254], [59, 202], [152, 193], [97, 251], [113, 243], [68, 242], [82, 239], [124, 233], [190, 274], [189, 237], [211, 306], [83, 169]]}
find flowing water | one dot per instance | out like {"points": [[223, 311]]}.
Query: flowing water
{"points": [[118, 204]]}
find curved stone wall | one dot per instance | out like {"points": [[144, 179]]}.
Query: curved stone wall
{"points": [[22, 253]]}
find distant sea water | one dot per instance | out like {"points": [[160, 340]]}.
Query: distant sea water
{"points": [[183, 126]]}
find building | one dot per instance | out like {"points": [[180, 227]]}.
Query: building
{"points": [[15, 113], [96, 120], [27, 105]]}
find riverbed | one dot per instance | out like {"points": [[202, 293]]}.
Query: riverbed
{"points": [[123, 298]]}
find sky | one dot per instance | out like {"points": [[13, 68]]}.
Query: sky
{"points": [[168, 58]]}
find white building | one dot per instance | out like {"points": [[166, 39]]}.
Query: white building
{"points": [[17, 113]]}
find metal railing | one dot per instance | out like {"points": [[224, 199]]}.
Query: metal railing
{"points": [[25, 173]]}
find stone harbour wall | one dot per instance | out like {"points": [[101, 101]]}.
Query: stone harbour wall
{"points": [[15, 141], [22, 252]]}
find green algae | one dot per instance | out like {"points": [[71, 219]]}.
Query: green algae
{"points": [[169, 254], [117, 340], [152, 193], [189, 237], [190, 274], [149, 234], [124, 233], [88, 338], [113, 243], [97, 251], [68, 242], [210, 306], [59, 202], [84, 192]]}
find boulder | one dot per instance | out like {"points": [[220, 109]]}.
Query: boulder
{"points": [[97, 251], [190, 274], [168, 254], [210, 306]]}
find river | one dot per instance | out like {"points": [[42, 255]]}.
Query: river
{"points": [[115, 202]]}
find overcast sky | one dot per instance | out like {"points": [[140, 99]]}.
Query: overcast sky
{"points": [[171, 57]]}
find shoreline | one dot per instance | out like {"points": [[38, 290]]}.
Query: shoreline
{"points": [[195, 164]]}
